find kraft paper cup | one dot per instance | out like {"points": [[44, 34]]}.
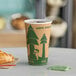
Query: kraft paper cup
{"points": [[37, 37]]}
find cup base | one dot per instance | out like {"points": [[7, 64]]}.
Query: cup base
{"points": [[38, 62]]}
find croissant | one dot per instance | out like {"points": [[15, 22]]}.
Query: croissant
{"points": [[6, 58]]}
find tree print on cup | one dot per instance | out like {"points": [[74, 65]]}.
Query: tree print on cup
{"points": [[43, 41], [43, 59], [31, 41]]}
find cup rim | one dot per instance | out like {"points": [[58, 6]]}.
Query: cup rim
{"points": [[46, 21]]}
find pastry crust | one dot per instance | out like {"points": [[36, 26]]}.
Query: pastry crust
{"points": [[6, 58]]}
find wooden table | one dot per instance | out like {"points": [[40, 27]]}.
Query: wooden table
{"points": [[57, 56]]}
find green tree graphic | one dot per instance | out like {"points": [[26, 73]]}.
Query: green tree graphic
{"points": [[32, 40], [43, 41], [43, 59]]}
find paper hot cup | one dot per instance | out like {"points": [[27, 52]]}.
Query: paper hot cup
{"points": [[37, 37]]}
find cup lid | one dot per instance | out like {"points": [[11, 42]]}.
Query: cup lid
{"points": [[38, 21]]}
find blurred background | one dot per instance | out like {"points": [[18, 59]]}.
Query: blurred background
{"points": [[14, 12]]}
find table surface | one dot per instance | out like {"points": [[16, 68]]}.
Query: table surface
{"points": [[57, 56]]}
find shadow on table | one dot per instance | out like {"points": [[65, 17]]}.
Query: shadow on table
{"points": [[22, 63]]}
